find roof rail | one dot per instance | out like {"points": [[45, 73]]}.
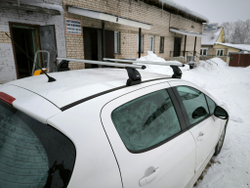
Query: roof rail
{"points": [[173, 64], [133, 74]]}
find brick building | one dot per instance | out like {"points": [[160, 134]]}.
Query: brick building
{"points": [[93, 29], [166, 29]]}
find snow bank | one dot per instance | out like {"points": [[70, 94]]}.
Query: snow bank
{"points": [[151, 57], [166, 70]]}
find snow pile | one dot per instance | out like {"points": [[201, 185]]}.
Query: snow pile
{"points": [[212, 64], [166, 70], [151, 57]]}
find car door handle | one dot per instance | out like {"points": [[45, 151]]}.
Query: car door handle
{"points": [[199, 138], [147, 179]]}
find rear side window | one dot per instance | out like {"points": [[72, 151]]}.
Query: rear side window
{"points": [[32, 154], [194, 102], [147, 121]]}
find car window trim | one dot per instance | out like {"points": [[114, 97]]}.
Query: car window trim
{"points": [[183, 109]]}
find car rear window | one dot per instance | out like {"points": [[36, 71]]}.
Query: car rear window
{"points": [[32, 154]]}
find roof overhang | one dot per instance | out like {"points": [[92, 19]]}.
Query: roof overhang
{"points": [[108, 17], [184, 32], [32, 6]]}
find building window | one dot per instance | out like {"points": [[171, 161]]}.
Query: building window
{"points": [[117, 42], [151, 43], [203, 52], [161, 44], [142, 42], [219, 52]]}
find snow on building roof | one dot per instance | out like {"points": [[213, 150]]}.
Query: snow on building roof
{"points": [[243, 47], [40, 3], [211, 37], [184, 9]]}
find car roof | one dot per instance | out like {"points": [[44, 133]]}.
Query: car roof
{"points": [[72, 86]]}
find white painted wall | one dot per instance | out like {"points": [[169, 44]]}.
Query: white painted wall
{"points": [[7, 64]]}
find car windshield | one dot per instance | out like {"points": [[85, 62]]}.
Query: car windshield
{"points": [[32, 154]]}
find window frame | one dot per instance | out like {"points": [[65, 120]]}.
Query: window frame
{"points": [[116, 42], [184, 112], [161, 50], [219, 50], [202, 51], [151, 45]]}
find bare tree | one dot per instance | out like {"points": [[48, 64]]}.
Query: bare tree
{"points": [[237, 32]]}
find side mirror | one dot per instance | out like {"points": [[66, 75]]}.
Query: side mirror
{"points": [[220, 113], [199, 112]]}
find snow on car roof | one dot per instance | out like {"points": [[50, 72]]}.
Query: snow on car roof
{"points": [[71, 86], [211, 37]]}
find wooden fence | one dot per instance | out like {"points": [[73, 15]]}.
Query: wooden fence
{"points": [[239, 60]]}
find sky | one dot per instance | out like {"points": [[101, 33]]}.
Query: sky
{"points": [[219, 11]]}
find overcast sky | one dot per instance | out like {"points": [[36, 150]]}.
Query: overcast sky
{"points": [[219, 11]]}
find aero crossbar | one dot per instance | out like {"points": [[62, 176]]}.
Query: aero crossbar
{"points": [[124, 65], [161, 63]]}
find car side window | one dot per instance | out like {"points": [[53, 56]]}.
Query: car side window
{"points": [[194, 102], [211, 105], [146, 121]]}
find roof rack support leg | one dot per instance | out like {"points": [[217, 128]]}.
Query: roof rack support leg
{"points": [[177, 71], [134, 76]]}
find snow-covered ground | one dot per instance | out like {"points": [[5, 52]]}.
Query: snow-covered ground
{"points": [[230, 85]]}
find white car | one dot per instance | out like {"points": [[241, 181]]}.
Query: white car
{"points": [[91, 129]]}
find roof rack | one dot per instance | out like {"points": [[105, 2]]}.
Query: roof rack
{"points": [[173, 64], [133, 74]]}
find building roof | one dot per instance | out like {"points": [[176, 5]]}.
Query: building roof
{"points": [[243, 47], [211, 37]]}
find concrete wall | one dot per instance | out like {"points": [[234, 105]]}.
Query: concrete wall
{"points": [[7, 62]]}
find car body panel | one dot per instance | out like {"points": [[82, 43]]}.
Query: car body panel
{"points": [[30, 103], [95, 164]]}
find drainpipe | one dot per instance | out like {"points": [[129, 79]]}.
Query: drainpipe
{"points": [[194, 54], [103, 39], [139, 42], [185, 43]]}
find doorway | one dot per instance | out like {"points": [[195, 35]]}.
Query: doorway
{"points": [[93, 45], [177, 46], [28, 39]]}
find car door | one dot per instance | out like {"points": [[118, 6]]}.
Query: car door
{"points": [[146, 133], [204, 127]]}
